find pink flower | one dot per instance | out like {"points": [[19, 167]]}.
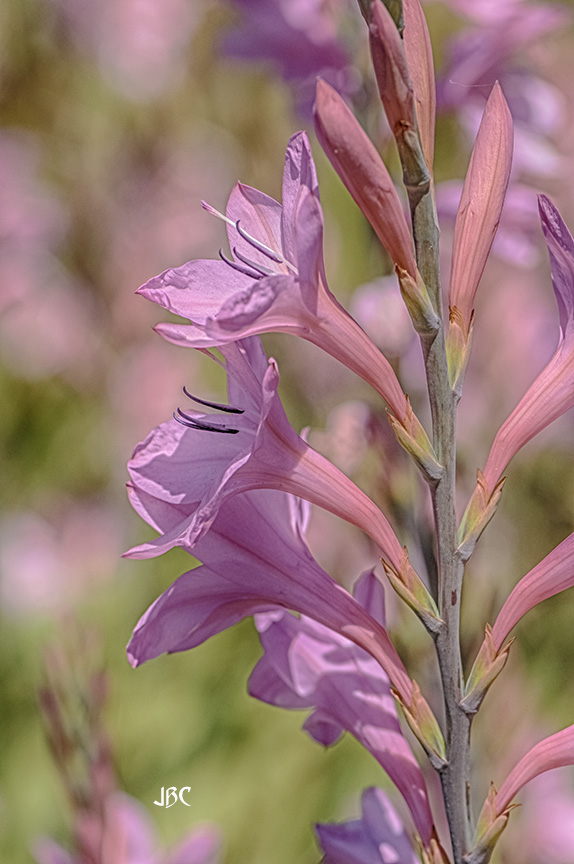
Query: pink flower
{"points": [[552, 393], [306, 665], [553, 575], [378, 837], [196, 464], [557, 751], [254, 558], [275, 281]]}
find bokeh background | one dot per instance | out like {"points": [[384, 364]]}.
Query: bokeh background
{"points": [[116, 118]]}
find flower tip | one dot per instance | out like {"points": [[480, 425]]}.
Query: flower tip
{"points": [[132, 659]]}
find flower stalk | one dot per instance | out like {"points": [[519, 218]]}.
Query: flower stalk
{"points": [[399, 99]]}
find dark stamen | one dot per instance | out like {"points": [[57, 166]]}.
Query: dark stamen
{"points": [[217, 405], [246, 272], [258, 245], [265, 271], [193, 423]]}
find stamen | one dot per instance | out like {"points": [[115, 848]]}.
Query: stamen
{"points": [[257, 244], [246, 272], [265, 271], [217, 405], [194, 423]]}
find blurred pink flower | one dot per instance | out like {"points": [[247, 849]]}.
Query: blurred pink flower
{"points": [[49, 566], [547, 823], [300, 38], [129, 838], [140, 45]]}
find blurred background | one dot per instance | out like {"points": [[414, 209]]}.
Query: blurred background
{"points": [[116, 118]]}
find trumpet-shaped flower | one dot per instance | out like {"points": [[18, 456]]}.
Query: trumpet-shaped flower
{"points": [[306, 665], [554, 574], [196, 464], [378, 837], [274, 282], [557, 751], [552, 393], [254, 559]]}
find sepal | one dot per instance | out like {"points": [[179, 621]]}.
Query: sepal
{"points": [[415, 295], [486, 668], [424, 726], [409, 586], [412, 437], [434, 853], [479, 511], [490, 826], [458, 345]]}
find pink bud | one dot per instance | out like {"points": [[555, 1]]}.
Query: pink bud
{"points": [[420, 61], [481, 202], [363, 172]]}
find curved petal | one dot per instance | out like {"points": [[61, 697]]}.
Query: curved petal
{"points": [[557, 751], [196, 290], [260, 216], [299, 174], [376, 837], [554, 574]]}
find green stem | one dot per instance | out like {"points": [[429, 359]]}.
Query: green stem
{"points": [[455, 777]]}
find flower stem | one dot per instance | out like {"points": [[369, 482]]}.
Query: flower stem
{"points": [[455, 777]]}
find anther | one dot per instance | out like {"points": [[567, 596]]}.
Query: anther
{"points": [[193, 423], [265, 271], [257, 244], [270, 253], [217, 405], [253, 274]]}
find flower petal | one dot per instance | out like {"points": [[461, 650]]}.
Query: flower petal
{"points": [[553, 575], [356, 161], [377, 838], [557, 751], [481, 202], [420, 60]]}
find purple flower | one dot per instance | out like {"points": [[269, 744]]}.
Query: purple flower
{"points": [[300, 39], [193, 466], [254, 558], [378, 837], [275, 281], [306, 665]]}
